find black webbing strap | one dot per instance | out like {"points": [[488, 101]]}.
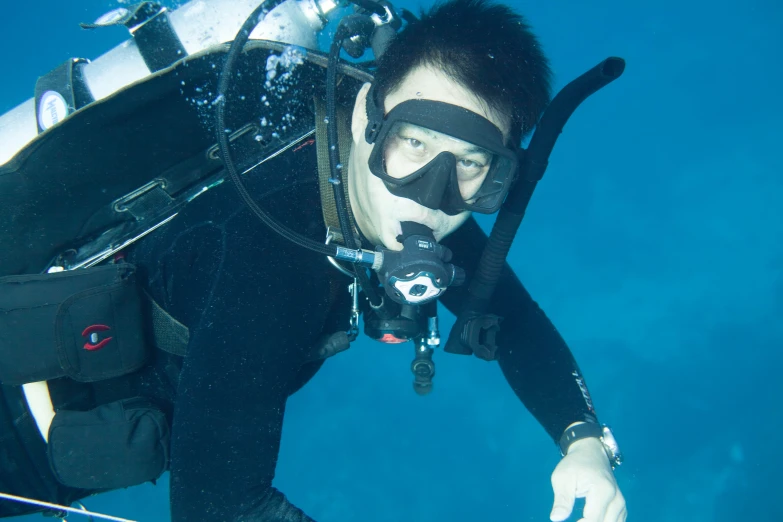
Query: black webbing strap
{"points": [[151, 28], [169, 334], [158, 44], [60, 92], [328, 205]]}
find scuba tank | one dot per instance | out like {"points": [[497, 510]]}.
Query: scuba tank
{"points": [[159, 38], [122, 163]]}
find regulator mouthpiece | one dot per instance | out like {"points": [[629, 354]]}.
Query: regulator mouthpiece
{"points": [[421, 271]]}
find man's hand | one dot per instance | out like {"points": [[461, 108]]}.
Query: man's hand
{"points": [[585, 472]]}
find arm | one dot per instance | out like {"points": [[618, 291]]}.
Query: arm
{"points": [[532, 355], [244, 353]]}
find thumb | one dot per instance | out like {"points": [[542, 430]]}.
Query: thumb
{"points": [[565, 496], [564, 504]]}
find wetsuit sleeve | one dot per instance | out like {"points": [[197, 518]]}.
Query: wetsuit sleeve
{"points": [[533, 356], [248, 336]]}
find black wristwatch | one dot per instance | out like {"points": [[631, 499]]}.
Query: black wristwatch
{"points": [[591, 429]]}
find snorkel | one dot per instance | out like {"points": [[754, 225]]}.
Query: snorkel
{"points": [[475, 331]]}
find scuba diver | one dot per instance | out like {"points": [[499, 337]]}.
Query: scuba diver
{"points": [[164, 327]]}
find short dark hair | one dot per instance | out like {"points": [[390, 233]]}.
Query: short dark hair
{"points": [[485, 47]]}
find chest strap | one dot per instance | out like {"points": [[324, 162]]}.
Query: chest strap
{"points": [[169, 334]]}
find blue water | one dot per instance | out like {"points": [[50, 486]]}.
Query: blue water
{"points": [[653, 243]]}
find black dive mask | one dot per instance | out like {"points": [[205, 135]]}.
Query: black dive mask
{"points": [[439, 155]]}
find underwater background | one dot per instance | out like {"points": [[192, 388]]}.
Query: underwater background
{"points": [[655, 245]]}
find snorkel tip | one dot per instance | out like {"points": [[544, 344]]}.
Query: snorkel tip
{"points": [[612, 67]]}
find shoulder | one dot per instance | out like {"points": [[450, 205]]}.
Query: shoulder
{"points": [[217, 239]]}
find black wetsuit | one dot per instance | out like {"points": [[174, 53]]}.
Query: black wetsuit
{"points": [[256, 305]]}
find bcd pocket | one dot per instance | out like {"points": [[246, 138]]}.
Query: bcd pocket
{"points": [[116, 445], [85, 324]]}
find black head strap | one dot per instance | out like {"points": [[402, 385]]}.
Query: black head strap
{"points": [[375, 114]]}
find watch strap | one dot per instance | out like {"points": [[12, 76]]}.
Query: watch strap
{"points": [[579, 432]]}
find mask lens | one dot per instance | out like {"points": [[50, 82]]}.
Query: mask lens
{"points": [[409, 148], [494, 185], [450, 159]]}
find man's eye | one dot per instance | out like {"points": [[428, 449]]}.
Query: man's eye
{"points": [[469, 164], [413, 142]]}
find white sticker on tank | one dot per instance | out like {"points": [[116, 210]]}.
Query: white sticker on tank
{"points": [[52, 109]]}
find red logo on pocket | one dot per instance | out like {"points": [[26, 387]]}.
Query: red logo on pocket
{"points": [[94, 341]]}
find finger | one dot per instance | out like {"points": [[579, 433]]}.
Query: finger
{"points": [[564, 487], [597, 501], [616, 511]]}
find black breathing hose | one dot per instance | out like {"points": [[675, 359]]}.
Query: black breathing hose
{"points": [[349, 27]]}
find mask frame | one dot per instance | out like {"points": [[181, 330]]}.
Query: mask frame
{"points": [[436, 185]]}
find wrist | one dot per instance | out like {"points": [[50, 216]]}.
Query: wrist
{"points": [[580, 434]]}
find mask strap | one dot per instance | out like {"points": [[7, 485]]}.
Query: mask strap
{"points": [[375, 116]]}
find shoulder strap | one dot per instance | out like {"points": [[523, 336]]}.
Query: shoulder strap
{"points": [[328, 205]]}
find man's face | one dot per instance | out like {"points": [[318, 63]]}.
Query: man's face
{"points": [[377, 211]]}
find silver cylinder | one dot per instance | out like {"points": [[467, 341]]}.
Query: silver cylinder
{"points": [[199, 24]]}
